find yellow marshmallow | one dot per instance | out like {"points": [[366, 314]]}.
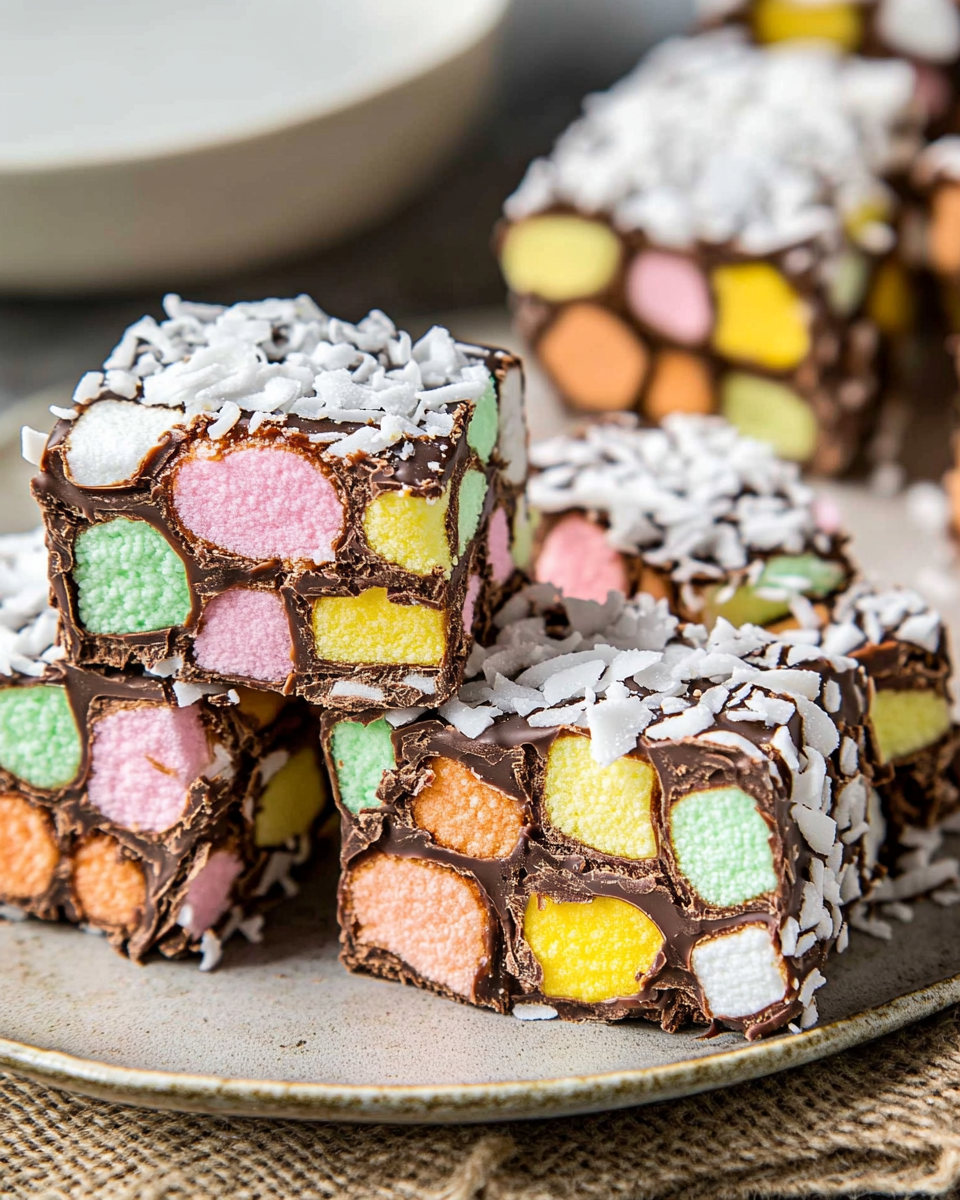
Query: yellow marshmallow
{"points": [[410, 531], [607, 808], [291, 800], [371, 628], [781, 21], [760, 317], [559, 257], [591, 951]]}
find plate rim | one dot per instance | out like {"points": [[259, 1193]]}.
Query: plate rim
{"points": [[438, 1104]]}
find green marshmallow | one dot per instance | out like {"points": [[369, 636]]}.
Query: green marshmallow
{"points": [[484, 424], [39, 739], [804, 573], [361, 754], [847, 285], [722, 846], [129, 579], [770, 412], [792, 574], [744, 607], [907, 721], [473, 492], [525, 522]]}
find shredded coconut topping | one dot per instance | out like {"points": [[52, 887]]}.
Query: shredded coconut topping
{"points": [[940, 160], [619, 669], [276, 357], [694, 496], [864, 614], [28, 625], [712, 139]]}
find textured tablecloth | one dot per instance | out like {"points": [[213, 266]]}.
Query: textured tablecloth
{"points": [[884, 1118]]}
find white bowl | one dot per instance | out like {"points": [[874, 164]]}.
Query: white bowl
{"points": [[159, 143]]}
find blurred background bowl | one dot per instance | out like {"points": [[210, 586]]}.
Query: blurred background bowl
{"points": [[204, 137]]}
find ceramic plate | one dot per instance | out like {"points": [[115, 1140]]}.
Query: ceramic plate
{"points": [[280, 1029]]}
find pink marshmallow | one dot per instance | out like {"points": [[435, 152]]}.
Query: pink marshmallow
{"points": [[827, 514], [470, 603], [263, 504], [498, 546], [208, 896], [670, 293], [932, 92], [143, 761], [577, 558], [245, 632]]}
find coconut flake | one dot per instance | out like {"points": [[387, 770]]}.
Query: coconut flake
{"points": [[352, 687]]}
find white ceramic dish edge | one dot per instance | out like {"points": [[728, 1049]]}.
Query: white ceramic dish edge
{"points": [[471, 1103]]}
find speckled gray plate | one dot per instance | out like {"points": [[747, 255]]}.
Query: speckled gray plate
{"points": [[281, 1029]]}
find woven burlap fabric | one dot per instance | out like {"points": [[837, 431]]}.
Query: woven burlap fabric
{"points": [[883, 1119]]}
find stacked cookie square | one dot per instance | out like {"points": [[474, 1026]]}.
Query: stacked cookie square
{"points": [[157, 822], [709, 235], [248, 511], [617, 817]]}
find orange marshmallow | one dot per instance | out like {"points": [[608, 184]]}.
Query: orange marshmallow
{"points": [[681, 383], [28, 852], [430, 916], [944, 234], [463, 813], [110, 890], [594, 358]]}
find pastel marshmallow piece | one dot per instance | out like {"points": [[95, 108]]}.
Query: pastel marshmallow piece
{"points": [[409, 530], [470, 500], [595, 359], [605, 808], [498, 546], [129, 578], [372, 628], [291, 801], [670, 293], [770, 412], [470, 604], [559, 256], [681, 382], [465, 813], [208, 896], [262, 503], [905, 722], [597, 949], [39, 738], [109, 887], [28, 851], [111, 439], [245, 632], [740, 973], [944, 229], [891, 304], [840, 24], [760, 317], [430, 916], [143, 762], [722, 846], [577, 558], [361, 755]]}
